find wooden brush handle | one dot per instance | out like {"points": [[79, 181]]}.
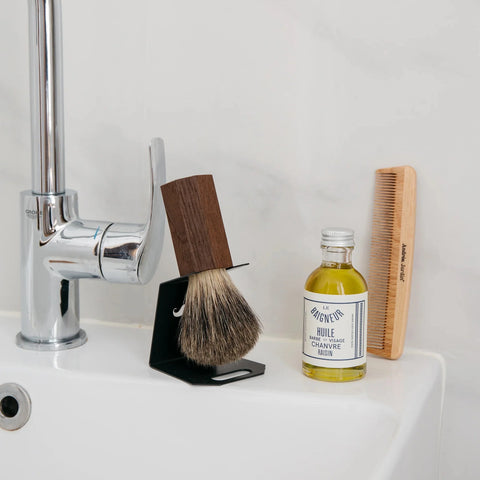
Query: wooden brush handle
{"points": [[196, 224]]}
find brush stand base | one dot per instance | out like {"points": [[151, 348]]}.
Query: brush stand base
{"points": [[165, 355]]}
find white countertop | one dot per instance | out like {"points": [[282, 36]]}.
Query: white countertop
{"points": [[391, 398]]}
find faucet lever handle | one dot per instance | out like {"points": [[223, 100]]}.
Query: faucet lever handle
{"points": [[155, 226], [129, 253]]}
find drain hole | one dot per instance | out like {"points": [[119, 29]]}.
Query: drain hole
{"points": [[9, 406], [15, 406]]}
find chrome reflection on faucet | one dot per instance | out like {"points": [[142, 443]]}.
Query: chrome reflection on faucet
{"points": [[58, 247]]}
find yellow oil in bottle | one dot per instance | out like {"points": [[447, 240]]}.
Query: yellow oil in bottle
{"points": [[335, 289]]}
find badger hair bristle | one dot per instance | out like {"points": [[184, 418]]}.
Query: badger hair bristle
{"points": [[217, 326]]}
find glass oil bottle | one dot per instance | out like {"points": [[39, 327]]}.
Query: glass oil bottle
{"points": [[335, 313]]}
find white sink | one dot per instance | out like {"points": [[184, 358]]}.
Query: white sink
{"points": [[99, 412]]}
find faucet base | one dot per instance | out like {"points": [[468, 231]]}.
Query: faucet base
{"points": [[27, 344]]}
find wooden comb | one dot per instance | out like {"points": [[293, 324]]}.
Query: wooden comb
{"points": [[391, 260]]}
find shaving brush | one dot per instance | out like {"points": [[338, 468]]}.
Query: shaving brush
{"points": [[217, 325]]}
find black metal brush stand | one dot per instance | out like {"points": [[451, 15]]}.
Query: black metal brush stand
{"points": [[165, 355]]}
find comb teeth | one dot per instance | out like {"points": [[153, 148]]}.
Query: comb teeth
{"points": [[392, 220], [381, 257]]}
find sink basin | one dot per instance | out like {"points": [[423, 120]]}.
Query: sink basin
{"points": [[99, 412]]}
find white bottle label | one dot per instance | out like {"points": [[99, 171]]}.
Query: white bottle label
{"points": [[335, 329]]}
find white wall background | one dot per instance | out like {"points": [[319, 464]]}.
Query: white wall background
{"points": [[291, 105]]}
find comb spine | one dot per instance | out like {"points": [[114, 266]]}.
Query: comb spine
{"points": [[405, 260]]}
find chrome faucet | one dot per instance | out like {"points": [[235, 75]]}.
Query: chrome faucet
{"points": [[57, 247]]}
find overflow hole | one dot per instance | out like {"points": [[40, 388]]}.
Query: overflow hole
{"points": [[9, 406]]}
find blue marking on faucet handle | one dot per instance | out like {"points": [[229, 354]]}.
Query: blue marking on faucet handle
{"points": [[96, 233]]}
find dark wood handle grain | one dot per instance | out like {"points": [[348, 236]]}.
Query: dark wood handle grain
{"points": [[196, 224]]}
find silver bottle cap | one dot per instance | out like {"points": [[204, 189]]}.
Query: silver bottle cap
{"points": [[337, 237]]}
